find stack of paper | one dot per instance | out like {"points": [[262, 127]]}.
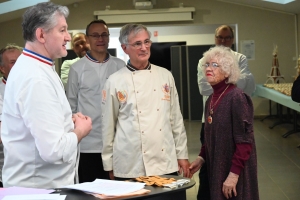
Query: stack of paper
{"points": [[22, 193], [35, 197], [108, 187]]}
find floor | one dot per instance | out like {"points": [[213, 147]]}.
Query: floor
{"points": [[278, 159]]}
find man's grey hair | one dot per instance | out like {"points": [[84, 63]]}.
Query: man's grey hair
{"points": [[227, 62], [8, 47], [42, 15], [131, 28]]}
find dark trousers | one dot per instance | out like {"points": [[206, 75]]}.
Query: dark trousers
{"points": [[203, 191], [91, 167]]}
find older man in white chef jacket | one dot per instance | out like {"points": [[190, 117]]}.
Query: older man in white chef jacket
{"points": [[39, 136], [143, 130]]}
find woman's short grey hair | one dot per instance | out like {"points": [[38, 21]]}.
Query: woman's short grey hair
{"points": [[131, 28], [227, 62], [42, 15]]}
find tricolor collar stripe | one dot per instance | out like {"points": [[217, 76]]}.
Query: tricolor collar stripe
{"points": [[89, 56], [3, 80], [38, 57]]}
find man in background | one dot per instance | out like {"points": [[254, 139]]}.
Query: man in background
{"points": [[84, 92], [8, 57], [224, 36], [39, 133], [80, 47], [143, 130]]}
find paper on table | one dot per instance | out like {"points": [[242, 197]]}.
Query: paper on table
{"points": [[108, 187], [36, 197], [22, 191]]}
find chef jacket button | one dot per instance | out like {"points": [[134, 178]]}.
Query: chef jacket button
{"points": [[162, 149], [157, 109], [154, 90], [144, 151], [142, 131], [159, 129], [140, 111], [133, 73], [150, 71], [137, 91]]}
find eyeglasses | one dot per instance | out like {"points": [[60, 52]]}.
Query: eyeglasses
{"points": [[139, 44], [220, 38], [104, 36], [214, 65]]}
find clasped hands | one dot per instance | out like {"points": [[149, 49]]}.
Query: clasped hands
{"points": [[78, 115]]}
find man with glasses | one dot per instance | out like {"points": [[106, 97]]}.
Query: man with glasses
{"points": [[143, 130], [84, 92], [224, 36]]}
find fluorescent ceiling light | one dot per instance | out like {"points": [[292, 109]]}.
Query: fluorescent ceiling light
{"points": [[280, 1], [13, 5]]}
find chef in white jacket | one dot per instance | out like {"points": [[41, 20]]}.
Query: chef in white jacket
{"points": [[143, 130], [39, 136]]}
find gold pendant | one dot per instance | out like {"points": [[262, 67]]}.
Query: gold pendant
{"points": [[209, 119]]}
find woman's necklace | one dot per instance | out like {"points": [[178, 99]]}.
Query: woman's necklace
{"points": [[211, 107]]}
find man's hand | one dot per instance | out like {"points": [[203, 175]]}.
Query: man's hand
{"points": [[79, 114], [111, 175], [229, 186], [183, 167], [83, 125]]}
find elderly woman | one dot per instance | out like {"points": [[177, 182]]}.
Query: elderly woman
{"points": [[229, 148]]}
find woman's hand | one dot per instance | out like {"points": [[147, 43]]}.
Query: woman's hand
{"points": [[196, 165], [229, 186]]}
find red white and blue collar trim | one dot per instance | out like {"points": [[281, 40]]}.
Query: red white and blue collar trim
{"points": [[4, 80], [38, 57], [89, 56]]}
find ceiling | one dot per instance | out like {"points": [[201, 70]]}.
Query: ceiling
{"points": [[293, 7], [18, 13]]}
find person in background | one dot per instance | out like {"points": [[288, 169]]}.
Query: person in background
{"points": [[80, 47], [142, 122], [8, 56], [229, 150], [39, 133], [296, 90], [84, 92], [224, 36]]}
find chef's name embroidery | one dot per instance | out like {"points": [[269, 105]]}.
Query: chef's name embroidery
{"points": [[122, 96], [103, 96], [166, 91]]}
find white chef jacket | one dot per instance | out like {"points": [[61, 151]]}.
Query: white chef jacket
{"points": [[40, 146], [84, 92], [65, 68], [143, 130], [2, 89], [246, 82]]}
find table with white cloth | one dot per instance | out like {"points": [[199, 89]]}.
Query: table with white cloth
{"points": [[282, 99]]}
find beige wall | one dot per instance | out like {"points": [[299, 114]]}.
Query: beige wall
{"points": [[266, 28]]}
